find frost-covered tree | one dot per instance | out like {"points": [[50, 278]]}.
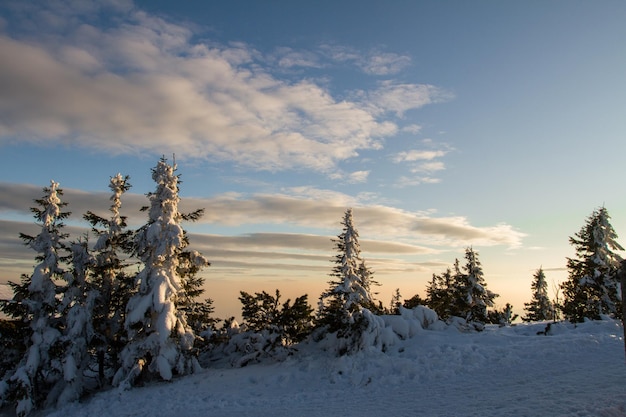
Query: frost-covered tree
{"points": [[350, 288], [41, 366], [77, 305], [159, 339], [540, 307], [592, 288], [470, 288], [113, 284]]}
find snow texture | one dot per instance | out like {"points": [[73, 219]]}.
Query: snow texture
{"points": [[437, 371]]}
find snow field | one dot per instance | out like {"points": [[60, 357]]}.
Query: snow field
{"points": [[508, 371]]}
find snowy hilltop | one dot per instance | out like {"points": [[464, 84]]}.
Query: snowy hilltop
{"points": [[502, 371]]}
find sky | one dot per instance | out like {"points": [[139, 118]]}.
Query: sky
{"points": [[443, 124]]}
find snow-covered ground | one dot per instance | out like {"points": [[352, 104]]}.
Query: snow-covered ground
{"points": [[509, 371]]}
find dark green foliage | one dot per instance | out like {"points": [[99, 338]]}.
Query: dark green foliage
{"points": [[396, 302], [14, 335], [198, 312], [413, 302], [592, 286], [264, 312], [502, 317], [439, 294]]}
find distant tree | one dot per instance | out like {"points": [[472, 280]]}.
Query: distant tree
{"points": [[349, 290], [592, 288], [413, 302], [440, 294], [40, 367], [160, 340], [471, 295], [540, 307], [502, 317], [264, 312], [396, 302]]}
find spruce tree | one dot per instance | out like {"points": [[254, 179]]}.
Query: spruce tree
{"points": [[396, 302], [540, 307], [159, 339], [77, 305], [110, 279], [439, 294], [41, 366], [288, 324], [592, 288], [349, 290], [472, 295]]}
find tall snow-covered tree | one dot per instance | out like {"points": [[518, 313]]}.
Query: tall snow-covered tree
{"points": [[159, 339], [350, 288], [113, 284], [592, 288], [471, 294], [540, 307], [41, 366], [77, 305]]}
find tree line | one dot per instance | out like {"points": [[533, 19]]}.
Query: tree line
{"points": [[127, 308]]}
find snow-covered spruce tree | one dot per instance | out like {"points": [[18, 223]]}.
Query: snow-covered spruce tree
{"points": [[41, 366], [592, 288], [340, 307], [471, 294], [113, 284], [77, 306], [159, 339], [540, 307]]}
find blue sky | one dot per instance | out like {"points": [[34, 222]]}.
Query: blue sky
{"points": [[494, 124]]}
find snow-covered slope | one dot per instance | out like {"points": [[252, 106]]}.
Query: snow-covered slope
{"points": [[510, 371]]}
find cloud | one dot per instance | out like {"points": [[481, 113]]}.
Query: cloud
{"points": [[380, 63], [300, 207], [290, 58], [358, 176], [374, 62], [413, 181], [144, 84], [418, 155], [429, 167], [398, 98]]}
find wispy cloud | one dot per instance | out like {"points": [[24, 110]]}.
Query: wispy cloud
{"points": [[304, 207], [418, 155], [142, 83], [423, 163], [373, 62]]}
